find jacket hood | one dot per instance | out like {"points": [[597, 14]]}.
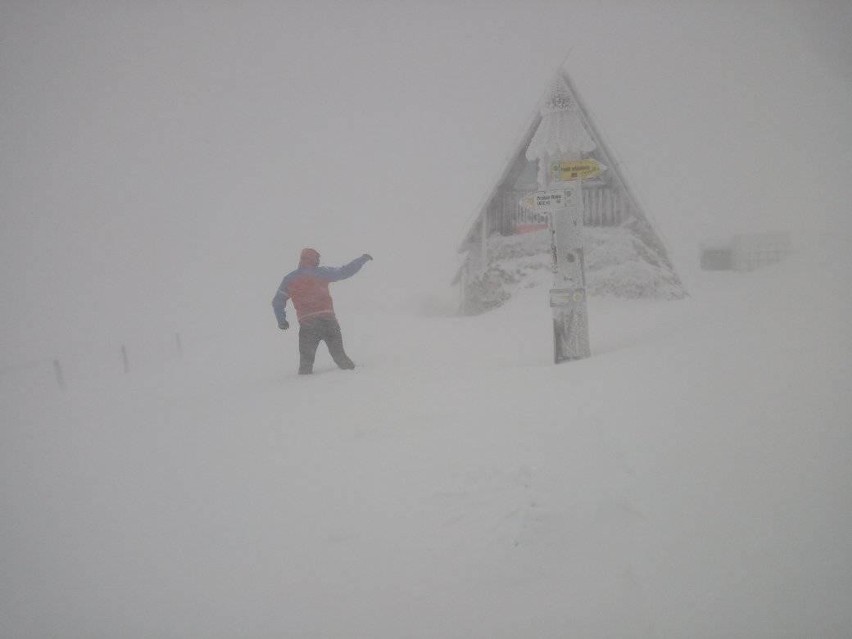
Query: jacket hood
{"points": [[309, 257]]}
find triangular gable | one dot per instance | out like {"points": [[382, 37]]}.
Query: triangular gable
{"points": [[615, 224]]}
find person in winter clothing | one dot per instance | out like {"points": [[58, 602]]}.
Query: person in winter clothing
{"points": [[307, 286]]}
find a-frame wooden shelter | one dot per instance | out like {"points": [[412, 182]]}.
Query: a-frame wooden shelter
{"points": [[611, 212]]}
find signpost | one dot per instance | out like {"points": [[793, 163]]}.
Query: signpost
{"points": [[559, 144], [568, 295], [564, 209]]}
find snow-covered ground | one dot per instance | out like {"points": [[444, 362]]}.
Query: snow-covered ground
{"points": [[691, 479]]}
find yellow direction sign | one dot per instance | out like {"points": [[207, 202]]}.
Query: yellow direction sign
{"points": [[568, 170]]}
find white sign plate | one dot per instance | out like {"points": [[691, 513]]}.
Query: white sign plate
{"points": [[548, 201]]}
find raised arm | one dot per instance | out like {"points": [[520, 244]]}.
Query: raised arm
{"points": [[334, 274]]}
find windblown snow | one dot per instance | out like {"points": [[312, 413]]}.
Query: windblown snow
{"points": [[691, 479]]}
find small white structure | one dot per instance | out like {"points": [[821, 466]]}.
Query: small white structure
{"points": [[746, 252]]}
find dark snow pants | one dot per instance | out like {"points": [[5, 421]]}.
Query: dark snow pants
{"points": [[321, 329]]}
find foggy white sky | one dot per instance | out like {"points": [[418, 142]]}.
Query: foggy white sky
{"points": [[163, 163]]}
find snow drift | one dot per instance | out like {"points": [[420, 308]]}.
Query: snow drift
{"points": [[690, 479]]}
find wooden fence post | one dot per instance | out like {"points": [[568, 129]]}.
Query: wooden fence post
{"points": [[60, 378]]}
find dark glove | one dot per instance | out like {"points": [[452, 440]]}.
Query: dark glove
{"points": [[368, 256], [284, 325]]}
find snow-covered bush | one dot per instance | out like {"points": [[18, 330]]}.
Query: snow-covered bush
{"points": [[618, 263]]}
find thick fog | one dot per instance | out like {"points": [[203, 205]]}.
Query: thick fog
{"points": [[163, 163]]}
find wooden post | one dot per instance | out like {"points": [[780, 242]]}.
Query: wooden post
{"points": [[60, 378], [124, 359], [568, 295]]}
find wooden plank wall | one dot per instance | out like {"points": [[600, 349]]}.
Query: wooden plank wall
{"points": [[603, 206]]}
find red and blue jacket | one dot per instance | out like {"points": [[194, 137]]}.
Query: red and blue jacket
{"points": [[307, 286]]}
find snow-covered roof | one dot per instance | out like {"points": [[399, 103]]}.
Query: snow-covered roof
{"points": [[561, 130]]}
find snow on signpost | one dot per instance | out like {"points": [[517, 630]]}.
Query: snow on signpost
{"points": [[558, 144]]}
